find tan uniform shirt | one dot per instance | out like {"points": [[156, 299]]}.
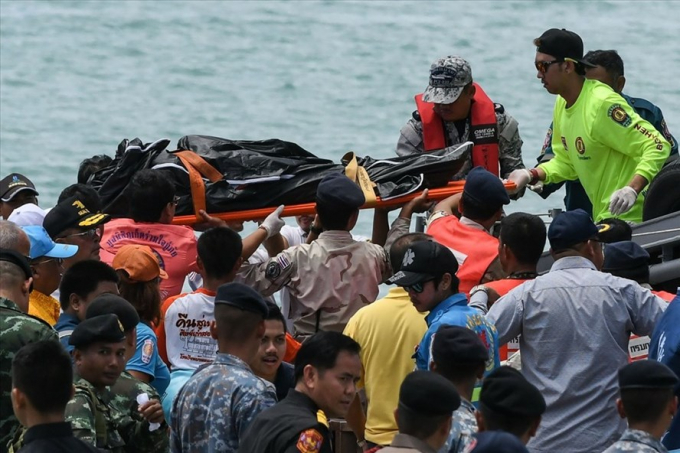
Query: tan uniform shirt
{"points": [[403, 443], [328, 280]]}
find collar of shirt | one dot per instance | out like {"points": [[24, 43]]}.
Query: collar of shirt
{"points": [[457, 299], [300, 399], [104, 395], [572, 262], [66, 319], [337, 236], [6, 303], [406, 441], [472, 224], [231, 360], [466, 405], [642, 437], [48, 431]]}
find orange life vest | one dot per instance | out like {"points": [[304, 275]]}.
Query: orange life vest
{"points": [[483, 129], [664, 295], [503, 287], [638, 347], [474, 249]]}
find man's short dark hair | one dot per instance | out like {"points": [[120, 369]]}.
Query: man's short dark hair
{"points": [[82, 278], [43, 372], [234, 325], [645, 404], [90, 166], [150, 192], [418, 425], [321, 351], [618, 230], [525, 234], [334, 217], [608, 59], [399, 247], [219, 250], [275, 314], [513, 424], [474, 210], [85, 193]]}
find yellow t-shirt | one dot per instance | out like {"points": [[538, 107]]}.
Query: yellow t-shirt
{"points": [[44, 307], [388, 331]]}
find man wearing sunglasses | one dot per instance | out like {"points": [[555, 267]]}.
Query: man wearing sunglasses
{"points": [[428, 274], [16, 190], [597, 137]]}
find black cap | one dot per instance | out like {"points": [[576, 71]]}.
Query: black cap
{"points": [[428, 394], [14, 183], [507, 392], [106, 304], [72, 213], [423, 261], [14, 257], [495, 442], [562, 44], [485, 188], [241, 296], [455, 344], [571, 228], [647, 374], [624, 255], [338, 190], [104, 328]]}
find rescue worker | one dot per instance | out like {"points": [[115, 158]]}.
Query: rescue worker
{"points": [[454, 109], [460, 356], [426, 402], [351, 271], [428, 274], [597, 137], [327, 369], [608, 70], [648, 403], [213, 410], [475, 249], [16, 190]]}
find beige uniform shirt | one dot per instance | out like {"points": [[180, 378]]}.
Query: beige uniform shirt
{"points": [[403, 443], [328, 280]]}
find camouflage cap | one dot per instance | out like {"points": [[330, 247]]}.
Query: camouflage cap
{"points": [[448, 77]]}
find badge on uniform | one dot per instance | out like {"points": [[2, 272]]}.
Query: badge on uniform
{"points": [[309, 441], [619, 115], [147, 350]]}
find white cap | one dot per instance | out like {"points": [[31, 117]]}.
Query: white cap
{"points": [[27, 215]]}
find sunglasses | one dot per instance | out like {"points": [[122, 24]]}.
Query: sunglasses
{"points": [[59, 261], [417, 287], [543, 66], [88, 234]]}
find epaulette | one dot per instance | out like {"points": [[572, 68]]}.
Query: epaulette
{"points": [[499, 108], [321, 418], [416, 115]]}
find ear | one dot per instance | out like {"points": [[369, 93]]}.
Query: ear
{"points": [[481, 371], [261, 329], [673, 406], [445, 282], [74, 301], [199, 263], [353, 220], [213, 330], [18, 399], [77, 356], [445, 428], [461, 208], [237, 265], [473, 90], [433, 366], [620, 408], [481, 426], [620, 83], [26, 286], [309, 375]]}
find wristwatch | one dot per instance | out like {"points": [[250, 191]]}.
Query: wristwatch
{"points": [[316, 230], [361, 443]]}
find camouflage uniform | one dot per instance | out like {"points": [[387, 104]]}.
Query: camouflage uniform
{"points": [[17, 329], [464, 425], [93, 418], [636, 441], [216, 405], [328, 280], [132, 426]]}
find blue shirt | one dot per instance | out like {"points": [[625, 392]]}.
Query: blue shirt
{"points": [[665, 348], [454, 311], [146, 359], [64, 327]]}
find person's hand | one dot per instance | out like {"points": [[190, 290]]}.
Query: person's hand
{"points": [[622, 200], [273, 223], [152, 411], [521, 177], [208, 221], [538, 187], [420, 203]]}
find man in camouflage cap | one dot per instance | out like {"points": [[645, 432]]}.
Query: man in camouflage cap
{"points": [[454, 109]]}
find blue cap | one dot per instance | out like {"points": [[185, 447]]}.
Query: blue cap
{"points": [[570, 228], [338, 190], [485, 188], [624, 255], [241, 296], [496, 442], [43, 245]]}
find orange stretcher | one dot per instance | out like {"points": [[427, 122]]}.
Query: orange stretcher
{"points": [[435, 194]]}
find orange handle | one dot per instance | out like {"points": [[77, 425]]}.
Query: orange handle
{"points": [[440, 193]]}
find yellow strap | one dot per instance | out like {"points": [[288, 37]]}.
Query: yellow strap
{"points": [[360, 176]]}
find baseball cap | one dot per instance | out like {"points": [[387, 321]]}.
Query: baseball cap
{"points": [[424, 261], [72, 213], [486, 188], [27, 214], [43, 245], [570, 228], [14, 183], [562, 44], [139, 261], [448, 77]]}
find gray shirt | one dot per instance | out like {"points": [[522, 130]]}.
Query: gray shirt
{"points": [[575, 324]]}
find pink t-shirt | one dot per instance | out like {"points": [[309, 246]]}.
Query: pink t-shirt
{"points": [[175, 247]]}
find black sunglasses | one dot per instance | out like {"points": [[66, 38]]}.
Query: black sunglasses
{"points": [[417, 287], [543, 66]]}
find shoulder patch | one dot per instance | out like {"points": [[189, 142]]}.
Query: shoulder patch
{"points": [[619, 115], [310, 441], [499, 108], [147, 350]]}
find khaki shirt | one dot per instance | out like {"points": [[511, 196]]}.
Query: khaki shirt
{"points": [[328, 280], [404, 443]]}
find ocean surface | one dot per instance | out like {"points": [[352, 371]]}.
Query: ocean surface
{"points": [[78, 77]]}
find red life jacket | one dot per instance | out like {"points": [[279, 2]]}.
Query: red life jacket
{"points": [[664, 295], [483, 129]]}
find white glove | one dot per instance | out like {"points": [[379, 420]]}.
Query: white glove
{"points": [[538, 187], [273, 223], [143, 398], [622, 200], [521, 178]]}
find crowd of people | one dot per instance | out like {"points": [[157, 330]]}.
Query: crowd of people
{"points": [[470, 351]]}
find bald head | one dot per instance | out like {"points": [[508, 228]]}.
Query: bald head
{"points": [[13, 237]]}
